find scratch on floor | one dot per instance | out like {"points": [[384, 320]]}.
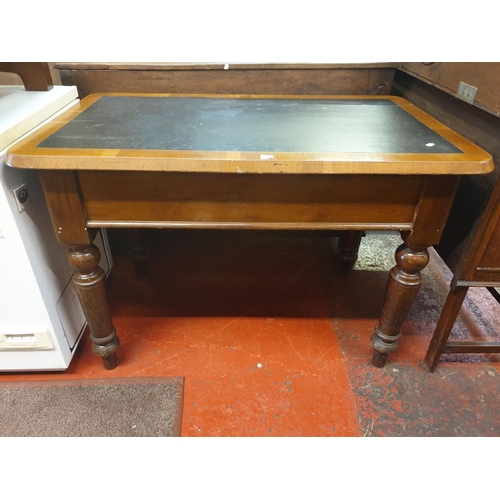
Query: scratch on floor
{"points": [[323, 355], [295, 350], [230, 323], [158, 363]]}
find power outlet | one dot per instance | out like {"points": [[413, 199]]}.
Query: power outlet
{"points": [[21, 195], [466, 92]]}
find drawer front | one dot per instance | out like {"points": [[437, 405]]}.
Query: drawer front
{"points": [[248, 199]]}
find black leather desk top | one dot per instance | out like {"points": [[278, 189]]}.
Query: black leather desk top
{"points": [[254, 125]]}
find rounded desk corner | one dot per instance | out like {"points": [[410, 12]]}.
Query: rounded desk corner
{"points": [[10, 159], [487, 165], [14, 160], [398, 99]]}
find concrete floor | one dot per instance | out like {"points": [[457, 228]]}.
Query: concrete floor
{"points": [[272, 342]]}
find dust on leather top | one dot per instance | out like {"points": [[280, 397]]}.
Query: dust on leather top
{"points": [[247, 124]]}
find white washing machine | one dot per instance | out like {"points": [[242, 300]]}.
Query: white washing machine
{"points": [[41, 320]]}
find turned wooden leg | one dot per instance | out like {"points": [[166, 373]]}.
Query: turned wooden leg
{"points": [[402, 287], [89, 281], [348, 250], [444, 326], [138, 250]]}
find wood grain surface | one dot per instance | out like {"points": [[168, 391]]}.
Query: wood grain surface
{"points": [[484, 76], [256, 201], [232, 78]]}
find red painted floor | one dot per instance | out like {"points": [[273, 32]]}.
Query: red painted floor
{"points": [[272, 342]]}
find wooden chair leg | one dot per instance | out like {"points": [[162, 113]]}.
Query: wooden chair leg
{"points": [[444, 326], [348, 250]]}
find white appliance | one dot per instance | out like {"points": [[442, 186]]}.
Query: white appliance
{"points": [[41, 320]]}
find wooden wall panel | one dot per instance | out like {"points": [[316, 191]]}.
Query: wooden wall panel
{"points": [[281, 79], [447, 76]]}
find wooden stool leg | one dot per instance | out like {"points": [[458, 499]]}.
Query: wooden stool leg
{"points": [[444, 326], [89, 281], [138, 250], [348, 250], [402, 287]]}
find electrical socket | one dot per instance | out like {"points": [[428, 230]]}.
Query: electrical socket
{"points": [[21, 196], [466, 92]]}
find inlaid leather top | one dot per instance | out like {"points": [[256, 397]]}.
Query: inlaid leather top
{"points": [[249, 134], [253, 125]]}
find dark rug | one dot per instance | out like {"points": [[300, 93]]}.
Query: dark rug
{"points": [[133, 407]]}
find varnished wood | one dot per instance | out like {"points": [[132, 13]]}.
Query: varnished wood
{"points": [[432, 211], [405, 278], [25, 154], [484, 250], [300, 79], [402, 287], [487, 283], [65, 206], [472, 347], [489, 259], [89, 282], [174, 66], [138, 250], [249, 199], [474, 190], [348, 250], [244, 78], [260, 226], [490, 275], [36, 76], [220, 189], [471, 240], [444, 326]]}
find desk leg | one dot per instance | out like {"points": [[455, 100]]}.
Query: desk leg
{"points": [[138, 250], [402, 287], [348, 250], [89, 281]]}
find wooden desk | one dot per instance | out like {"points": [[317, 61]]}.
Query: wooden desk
{"points": [[249, 162]]}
